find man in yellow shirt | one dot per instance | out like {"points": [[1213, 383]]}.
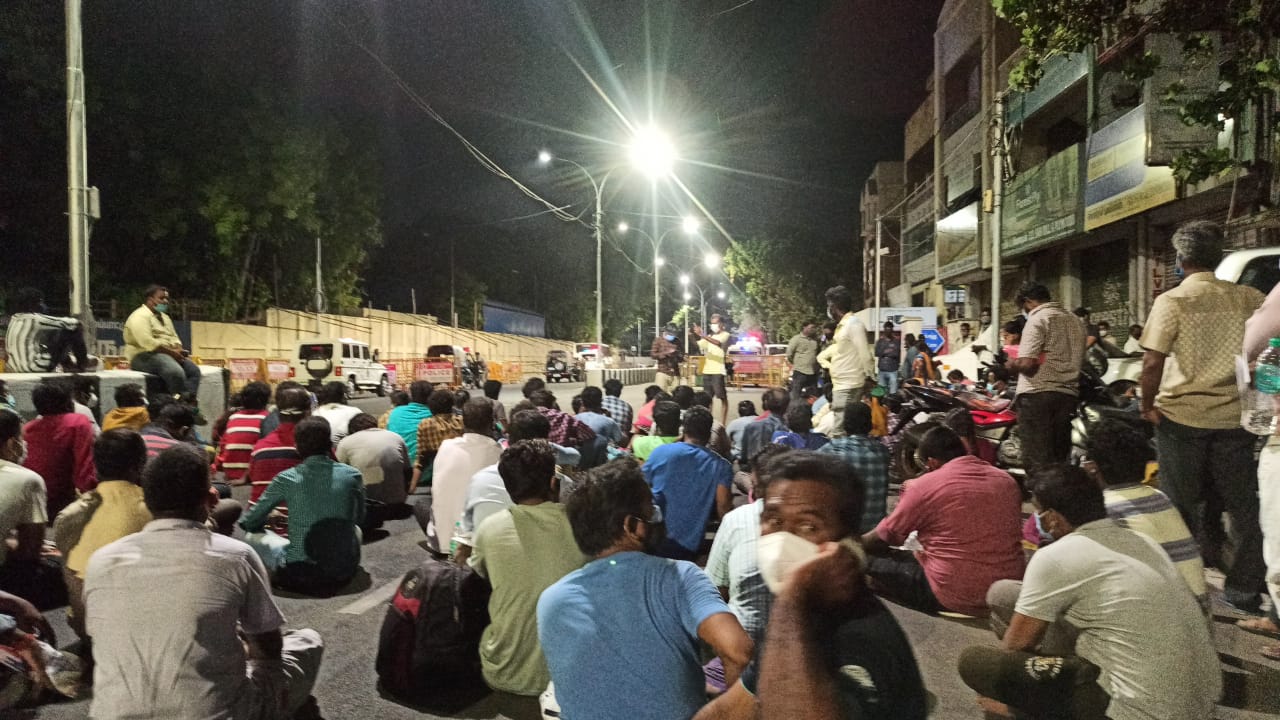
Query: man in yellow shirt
{"points": [[713, 348], [109, 512], [152, 345]]}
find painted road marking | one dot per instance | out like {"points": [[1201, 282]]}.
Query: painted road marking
{"points": [[371, 599]]}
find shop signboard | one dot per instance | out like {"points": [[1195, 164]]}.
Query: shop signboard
{"points": [[1042, 204], [1119, 183], [1060, 73], [1196, 74], [957, 242]]}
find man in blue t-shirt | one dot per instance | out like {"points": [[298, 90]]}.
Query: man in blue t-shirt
{"points": [[596, 451], [621, 634], [689, 483]]}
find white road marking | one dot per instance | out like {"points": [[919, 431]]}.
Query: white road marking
{"points": [[371, 599]]}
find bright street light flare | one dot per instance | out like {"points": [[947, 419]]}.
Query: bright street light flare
{"points": [[623, 227], [544, 157], [690, 225], [684, 280], [712, 260], [688, 297], [652, 153], [658, 261], [720, 294]]}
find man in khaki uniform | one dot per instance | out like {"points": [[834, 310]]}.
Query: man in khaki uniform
{"points": [[1191, 340], [152, 345]]}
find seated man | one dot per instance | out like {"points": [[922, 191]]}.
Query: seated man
{"points": [[621, 634], [1119, 454], [690, 483], [171, 424], [131, 409], [799, 434], [440, 424], [182, 620], [666, 430], [620, 410], [522, 550], [720, 443], [968, 516], [37, 342], [276, 451], [23, 514], [1143, 649], [153, 346], [112, 510], [566, 429], [459, 460], [746, 414], [759, 433], [331, 404], [832, 650], [380, 456], [868, 459], [244, 427], [59, 446], [643, 422], [326, 507], [607, 430]]}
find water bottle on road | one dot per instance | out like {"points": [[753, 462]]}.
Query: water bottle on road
{"points": [[1260, 409]]}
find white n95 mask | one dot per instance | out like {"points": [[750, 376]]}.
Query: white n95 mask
{"points": [[779, 554]]}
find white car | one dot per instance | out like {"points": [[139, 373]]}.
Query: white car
{"points": [[321, 360]]}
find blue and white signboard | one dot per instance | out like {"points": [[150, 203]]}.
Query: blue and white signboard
{"points": [[933, 339]]}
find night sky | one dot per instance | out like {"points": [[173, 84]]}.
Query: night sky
{"points": [[778, 108]]}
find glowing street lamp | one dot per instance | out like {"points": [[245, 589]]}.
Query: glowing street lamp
{"points": [[652, 153], [712, 261], [544, 158], [690, 225]]}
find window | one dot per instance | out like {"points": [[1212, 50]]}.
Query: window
{"points": [[1262, 273], [346, 351], [364, 352]]}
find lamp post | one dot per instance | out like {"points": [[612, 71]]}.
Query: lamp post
{"points": [[687, 298], [546, 158], [689, 226]]}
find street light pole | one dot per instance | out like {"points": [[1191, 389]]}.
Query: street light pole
{"points": [[79, 195]]}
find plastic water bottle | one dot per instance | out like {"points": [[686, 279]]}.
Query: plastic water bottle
{"points": [[453, 541], [1260, 416]]}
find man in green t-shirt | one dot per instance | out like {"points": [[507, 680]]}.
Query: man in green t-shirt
{"points": [[522, 551], [666, 430]]}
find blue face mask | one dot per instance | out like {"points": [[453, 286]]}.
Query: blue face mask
{"points": [[162, 307], [670, 338], [1044, 534], [1178, 272], [991, 387]]}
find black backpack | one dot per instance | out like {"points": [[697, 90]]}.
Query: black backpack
{"points": [[429, 646]]}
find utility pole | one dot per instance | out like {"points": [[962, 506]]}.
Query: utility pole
{"points": [[413, 299], [453, 313], [80, 197], [319, 299], [997, 212], [879, 256], [599, 274]]}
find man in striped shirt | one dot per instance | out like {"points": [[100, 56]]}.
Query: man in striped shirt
{"points": [[1118, 454], [276, 452], [170, 425], [243, 429], [38, 342]]}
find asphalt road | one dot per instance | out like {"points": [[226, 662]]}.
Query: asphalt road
{"points": [[349, 624]]}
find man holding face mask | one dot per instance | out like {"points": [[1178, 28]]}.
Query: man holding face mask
{"points": [[620, 634], [832, 649]]}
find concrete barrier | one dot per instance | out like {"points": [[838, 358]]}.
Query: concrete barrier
{"points": [[214, 388], [628, 376]]}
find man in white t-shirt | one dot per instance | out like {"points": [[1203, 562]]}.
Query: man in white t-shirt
{"points": [[210, 645], [1142, 650], [332, 399], [848, 356]]}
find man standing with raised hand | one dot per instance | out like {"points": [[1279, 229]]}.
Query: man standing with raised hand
{"points": [[713, 348]]}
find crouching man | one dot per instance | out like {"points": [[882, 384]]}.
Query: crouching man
{"points": [[182, 619]]}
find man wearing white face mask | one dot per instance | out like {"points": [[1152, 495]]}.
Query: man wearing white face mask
{"points": [[620, 634], [713, 348], [834, 650]]}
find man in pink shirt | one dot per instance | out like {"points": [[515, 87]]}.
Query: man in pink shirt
{"points": [[60, 446], [967, 516]]}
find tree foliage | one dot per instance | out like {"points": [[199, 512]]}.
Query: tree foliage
{"points": [[778, 283], [1250, 71]]}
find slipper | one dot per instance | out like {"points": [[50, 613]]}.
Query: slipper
{"points": [[1259, 626], [1271, 652]]}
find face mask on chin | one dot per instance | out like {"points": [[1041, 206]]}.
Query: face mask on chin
{"points": [[162, 307], [779, 554], [1040, 528]]}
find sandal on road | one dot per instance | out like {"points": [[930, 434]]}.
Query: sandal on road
{"points": [[1259, 626]]}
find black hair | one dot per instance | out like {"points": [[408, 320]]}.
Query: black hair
{"points": [[702, 398], [810, 391], [313, 437], [363, 421], [613, 387], [175, 483], [492, 388], [1015, 326], [651, 392], [1069, 491], [153, 290], [130, 395], [420, 390], [592, 399], [532, 385], [1081, 312], [857, 419], [118, 454], [840, 298], [576, 403], [254, 396], [334, 391], [698, 424], [1031, 290], [157, 406], [177, 415], [827, 469], [528, 425], [477, 416], [760, 465], [683, 396], [800, 418], [960, 422], [84, 384], [543, 398], [606, 496], [776, 400], [746, 408], [666, 418], [440, 401], [461, 397], [286, 385], [10, 425], [27, 300], [909, 339], [295, 399], [399, 397], [52, 398], [956, 375], [942, 444], [527, 468], [1120, 450]]}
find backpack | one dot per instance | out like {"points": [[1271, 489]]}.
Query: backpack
{"points": [[429, 645]]}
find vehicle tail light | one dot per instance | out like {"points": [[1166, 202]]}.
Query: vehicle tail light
{"points": [[337, 370], [293, 372]]}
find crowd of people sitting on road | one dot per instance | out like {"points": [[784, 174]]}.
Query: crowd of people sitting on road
{"points": [[661, 561]]}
